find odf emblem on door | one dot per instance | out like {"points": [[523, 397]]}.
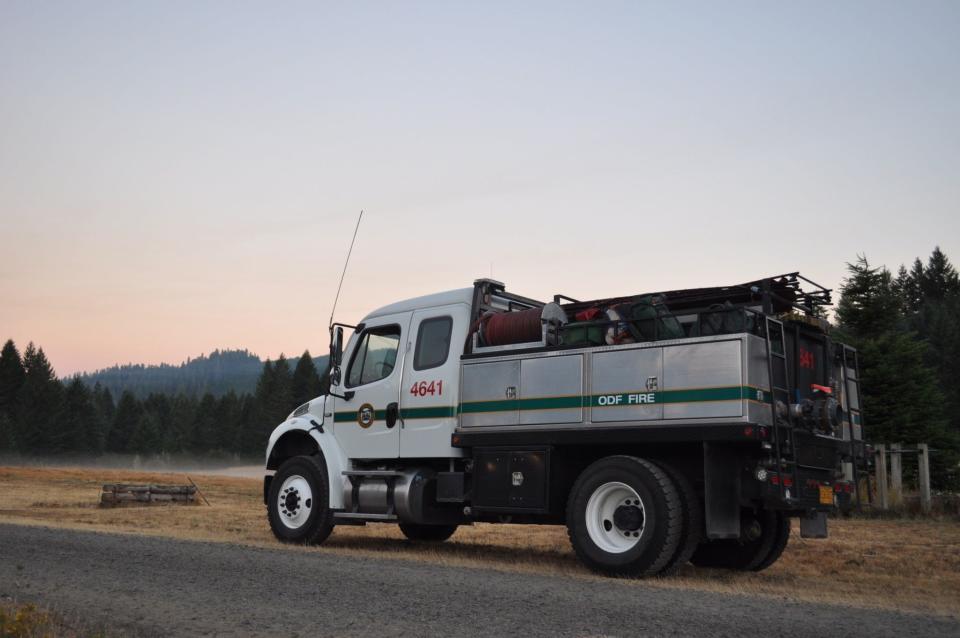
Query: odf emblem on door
{"points": [[366, 415]]}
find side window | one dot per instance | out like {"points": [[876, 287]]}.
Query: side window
{"points": [[375, 356], [433, 343]]}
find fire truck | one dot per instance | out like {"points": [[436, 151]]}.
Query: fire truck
{"points": [[660, 428]]}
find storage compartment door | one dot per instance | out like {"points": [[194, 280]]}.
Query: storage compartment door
{"points": [[702, 380], [551, 390], [624, 385], [490, 394], [511, 480]]}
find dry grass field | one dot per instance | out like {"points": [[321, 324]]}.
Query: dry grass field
{"points": [[906, 565]]}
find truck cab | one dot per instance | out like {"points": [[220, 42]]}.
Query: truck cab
{"points": [[660, 428], [401, 375]]}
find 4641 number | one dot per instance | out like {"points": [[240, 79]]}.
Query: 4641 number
{"points": [[425, 388]]}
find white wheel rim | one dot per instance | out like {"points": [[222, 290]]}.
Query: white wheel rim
{"points": [[601, 509], [295, 501]]}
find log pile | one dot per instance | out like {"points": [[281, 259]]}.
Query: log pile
{"points": [[115, 494]]}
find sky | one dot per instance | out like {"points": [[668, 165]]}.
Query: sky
{"points": [[177, 177]]}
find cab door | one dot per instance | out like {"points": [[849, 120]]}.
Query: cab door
{"points": [[367, 425], [431, 377]]}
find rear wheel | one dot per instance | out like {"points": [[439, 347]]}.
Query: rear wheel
{"points": [[427, 533], [763, 537], [779, 544], [298, 504], [624, 517], [691, 533]]}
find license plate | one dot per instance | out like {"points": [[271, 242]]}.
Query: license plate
{"points": [[826, 495]]}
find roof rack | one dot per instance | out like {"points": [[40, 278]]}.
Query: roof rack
{"points": [[780, 293]]}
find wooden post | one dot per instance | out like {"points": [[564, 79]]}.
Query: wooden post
{"points": [[925, 504], [896, 474], [881, 465]]}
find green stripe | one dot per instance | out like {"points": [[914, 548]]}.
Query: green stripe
{"points": [[731, 393], [433, 412], [379, 415], [506, 405], [489, 406], [620, 399]]}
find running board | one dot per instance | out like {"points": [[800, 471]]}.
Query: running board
{"points": [[372, 473], [361, 516]]}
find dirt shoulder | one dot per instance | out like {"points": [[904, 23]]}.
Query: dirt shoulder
{"points": [[911, 566]]}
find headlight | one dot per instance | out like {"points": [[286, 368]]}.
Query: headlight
{"points": [[303, 409]]}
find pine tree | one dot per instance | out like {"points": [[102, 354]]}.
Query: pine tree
{"points": [[228, 420], [146, 435], [941, 324], [914, 293], [939, 277], [936, 320], [205, 425], [901, 395], [178, 437], [81, 423], [907, 288], [12, 376], [868, 304], [103, 402], [305, 384], [248, 438], [40, 405], [125, 422], [11, 380], [8, 441], [280, 403], [259, 418], [156, 433]]}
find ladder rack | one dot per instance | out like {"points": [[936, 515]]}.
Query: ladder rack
{"points": [[851, 388], [780, 394]]}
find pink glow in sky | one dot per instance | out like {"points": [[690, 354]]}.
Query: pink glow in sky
{"points": [[176, 178]]}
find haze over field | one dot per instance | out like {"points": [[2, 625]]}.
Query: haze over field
{"points": [[178, 178]]}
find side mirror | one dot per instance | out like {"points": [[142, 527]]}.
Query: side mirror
{"points": [[336, 358], [336, 347]]}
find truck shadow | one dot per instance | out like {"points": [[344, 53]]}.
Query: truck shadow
{"points": [[478, 554]]}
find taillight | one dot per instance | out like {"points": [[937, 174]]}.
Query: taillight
{"points": [[775, 480]]}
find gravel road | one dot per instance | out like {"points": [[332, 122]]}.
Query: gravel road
{"points": [[152, 586]]}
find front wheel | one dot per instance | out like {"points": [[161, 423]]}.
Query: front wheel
{"points": [[427, 533], [624, 517], [298, 505]]}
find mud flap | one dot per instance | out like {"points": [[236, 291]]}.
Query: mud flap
{"points": [[813, 525], [721, 478], [266, 488]]}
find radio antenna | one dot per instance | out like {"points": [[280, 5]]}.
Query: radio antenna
{"points": [[344, 273]]}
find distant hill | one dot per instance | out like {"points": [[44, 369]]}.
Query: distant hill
{"points": [[216, 373]]}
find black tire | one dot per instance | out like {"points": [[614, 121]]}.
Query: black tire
{"points": [[779, 544], [659, 515], [745, 553], [318, 524], [427, 533], [692, 531]]}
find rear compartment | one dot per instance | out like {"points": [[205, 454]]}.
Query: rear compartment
{"points": [[750, 372]]}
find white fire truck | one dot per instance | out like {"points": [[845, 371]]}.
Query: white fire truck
{"points": [[661, 428]]}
